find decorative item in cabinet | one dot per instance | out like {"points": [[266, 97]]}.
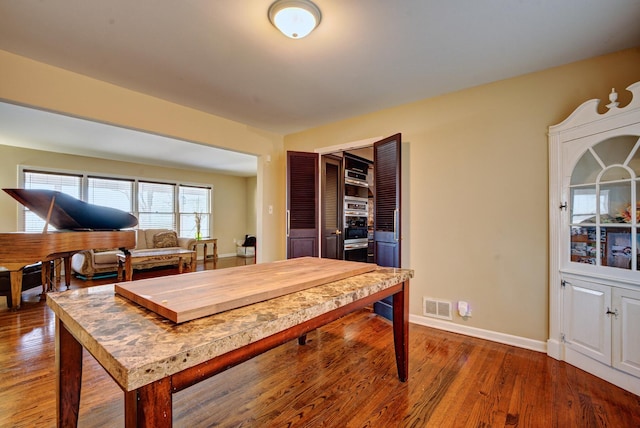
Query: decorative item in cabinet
{"points": [[618, 247], [584, 245]]}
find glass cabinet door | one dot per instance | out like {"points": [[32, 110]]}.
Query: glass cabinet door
{"points": [[604, 218]]}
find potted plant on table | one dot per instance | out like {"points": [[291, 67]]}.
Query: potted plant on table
{"points": [[198, 217]]}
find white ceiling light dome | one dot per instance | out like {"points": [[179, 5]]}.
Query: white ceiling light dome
{"points": [[295, 18]]}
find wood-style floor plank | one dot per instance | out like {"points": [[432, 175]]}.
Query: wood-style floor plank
{"points": [[345, 376]]}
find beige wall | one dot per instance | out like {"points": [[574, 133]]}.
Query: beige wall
{"points": [[42, 86], [475, 204], [231, 213], [475, 196], [252, 205]]}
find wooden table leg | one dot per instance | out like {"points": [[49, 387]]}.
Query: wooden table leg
{"points": [[120, 269], [46, 276], [128, 268], [204, 252], [130, 408], [44, 279], [401, 331], [302, 340], [125, 267], [58, 269], [15, 276], [154, 405], [69, 380], [180, 265], [67, 271]]}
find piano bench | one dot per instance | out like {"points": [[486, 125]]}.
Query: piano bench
{"points": [[31, 278]]}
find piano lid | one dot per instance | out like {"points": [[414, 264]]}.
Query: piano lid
{"points": [[71, 213]]}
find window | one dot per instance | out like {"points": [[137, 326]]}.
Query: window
{"points": [[194, 205], [156, 204], [109, 192], [65, 183]]}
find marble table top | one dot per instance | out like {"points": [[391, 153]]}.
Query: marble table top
{"points": [[137, 346]]}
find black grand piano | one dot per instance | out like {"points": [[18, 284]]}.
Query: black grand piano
{"points": [[80, 226]]}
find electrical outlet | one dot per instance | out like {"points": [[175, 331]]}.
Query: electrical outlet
{"points": [[464, 309]]}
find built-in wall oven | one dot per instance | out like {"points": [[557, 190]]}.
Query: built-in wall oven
{"points": [[356, 214], [356, 209], [356, 251]]}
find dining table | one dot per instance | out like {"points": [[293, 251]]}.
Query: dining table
{"points": [[158, 336]]}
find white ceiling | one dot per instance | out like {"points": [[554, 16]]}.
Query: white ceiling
{"points": [[225, 58], [36, 129]]}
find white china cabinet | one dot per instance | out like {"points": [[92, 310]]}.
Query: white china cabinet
{"points": [[594, 202]]}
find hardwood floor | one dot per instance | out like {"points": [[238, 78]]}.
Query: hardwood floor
{"points": [[344, 376]]}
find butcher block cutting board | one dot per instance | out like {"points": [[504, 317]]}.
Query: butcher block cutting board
{"points": [[194, 295]]}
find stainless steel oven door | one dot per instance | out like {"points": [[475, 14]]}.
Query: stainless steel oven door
{"points": [[354, 233], [356, 250]]}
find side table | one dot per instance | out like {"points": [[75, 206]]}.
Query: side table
{"points": [[126, 261], [204, 242]]}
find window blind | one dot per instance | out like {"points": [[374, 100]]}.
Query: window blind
{"points": [[110, 192], [194, 207], [65, 183], [156, 205]]}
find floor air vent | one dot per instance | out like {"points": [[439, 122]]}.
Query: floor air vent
{"points": [[437, 308]]}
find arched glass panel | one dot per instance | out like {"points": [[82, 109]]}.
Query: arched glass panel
{"points": [[586, 170], [615, 173], [604, 221], [615, 150], [634, 162]]}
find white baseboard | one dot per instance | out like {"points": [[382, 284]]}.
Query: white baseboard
{"points": [[555, 349], [552, 348], [494, 336], [625, 381], [226, 255], [220, 256]]}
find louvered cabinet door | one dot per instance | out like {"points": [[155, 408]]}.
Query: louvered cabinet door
{"points": [[387, 201], [332, 204], [386, 237], [302, 203]]}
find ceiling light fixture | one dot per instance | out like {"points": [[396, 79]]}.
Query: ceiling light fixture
{"points": [[294, 18]]}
